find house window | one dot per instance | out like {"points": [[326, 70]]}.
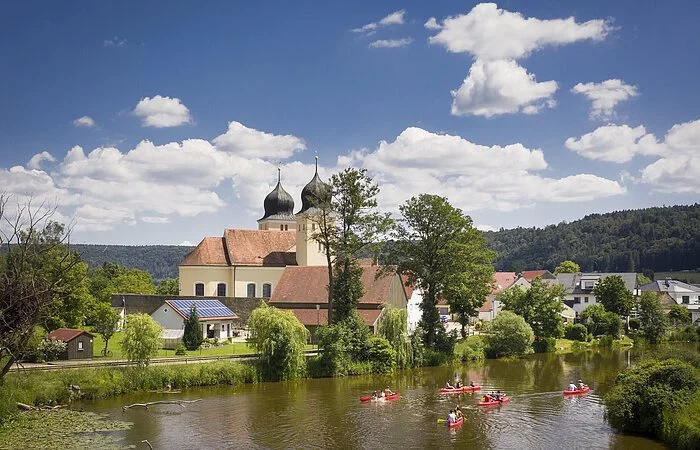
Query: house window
{"points": [[222, 327], [577, 299], [221, 289], [267, 290], [319, 247], [281, 227], [686, 299], [80, 346], [588, 284], [251, 290], [585, 299], [199, 289]]}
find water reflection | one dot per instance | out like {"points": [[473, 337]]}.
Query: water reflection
{"points": [[326, 413]]}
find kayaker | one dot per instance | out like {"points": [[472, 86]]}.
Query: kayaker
{"points": [[571, 387], [375, 395], [448, 385], [581, 385], [458, 385], [498, 396], [388, 391], [471, 384], [458, 412], [382, 394], [452, 417]]}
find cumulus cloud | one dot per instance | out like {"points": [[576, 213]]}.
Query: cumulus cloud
{"points": [[36, 160], [395, 18], [488, 32], [152, 219], [162, 112], [500, 87], [116, 41], [85, 122], [245, 141], [605, 96], [390, 43], [431, 24], [615, 143]]}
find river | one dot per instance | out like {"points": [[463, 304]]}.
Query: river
{"points": [[326, 413]]}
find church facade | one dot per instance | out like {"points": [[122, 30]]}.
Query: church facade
{"points": [[280, 263]]}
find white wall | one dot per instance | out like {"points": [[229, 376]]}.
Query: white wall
{"points": [[166, 316]]}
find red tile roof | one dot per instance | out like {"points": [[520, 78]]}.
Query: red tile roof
{"points": [[67, 334], [209, 252], [486, 307], [311, 316], [408, 288], [269, 248], [309, 284], [502, 281], [530, 275]]}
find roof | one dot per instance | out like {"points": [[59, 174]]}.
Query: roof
{"points": [[313, 316], [206, 309], [309, 284], [486, 307], [669, 286], [530, 275], [572, 281], [502, 281], [268, 248], [67, 334]]}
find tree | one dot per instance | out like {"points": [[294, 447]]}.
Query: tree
{"points": [[104, 321], [653, 321], [393, 329], [27, 286], [280, 339], [599, 321], [442, 254], [567, 267], [612, 293], [539, 305], [508, 335], [679, 315], [168, 286], [192, 337], [111, 279], [141, 339]]}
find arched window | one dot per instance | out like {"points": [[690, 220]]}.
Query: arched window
{"points": [[251, 290], [221, 289], [267, 290], [199, 289]]}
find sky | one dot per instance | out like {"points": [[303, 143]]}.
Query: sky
{"points": [[164, 122]]}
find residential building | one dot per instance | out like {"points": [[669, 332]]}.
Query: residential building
{"points": [[678, 293], [579, 287], [216, 320]]}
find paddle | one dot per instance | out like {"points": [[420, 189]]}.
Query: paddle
{"points": [[442, 420]]}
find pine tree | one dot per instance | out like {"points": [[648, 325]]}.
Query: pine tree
{"points": [[192, 338]]}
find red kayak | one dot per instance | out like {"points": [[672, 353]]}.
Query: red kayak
{"points": [[578, 391], [504, 399], [388, 397], [459, 422], [459, 390]]}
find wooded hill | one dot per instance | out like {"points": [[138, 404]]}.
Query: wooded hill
{"points": [[651, 239]]}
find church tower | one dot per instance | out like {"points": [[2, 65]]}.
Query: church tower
{"points": [[279, 209], [315, 193]]}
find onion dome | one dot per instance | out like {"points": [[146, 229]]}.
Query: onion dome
{"points": [[278, 203], [314, 193]]}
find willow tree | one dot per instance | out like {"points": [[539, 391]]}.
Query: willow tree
{"points": [[442, 254], [280, 339], [393, 328]]}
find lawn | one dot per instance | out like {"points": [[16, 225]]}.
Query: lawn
{"points": [[236, 348]]}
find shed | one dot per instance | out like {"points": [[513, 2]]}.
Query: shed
{"points": [[79, 342]]}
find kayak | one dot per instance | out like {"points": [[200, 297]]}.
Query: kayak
{"points": [[388, 397], [505, 399], [459, 422], [578, 391], [459, 390]]}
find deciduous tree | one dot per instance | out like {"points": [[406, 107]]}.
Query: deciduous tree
{"points": [[509, 335], [142, 338], [104, 321], [679, 315], [612, 293], [539, 305], [567, 267], [654, 321], [168, 286]]}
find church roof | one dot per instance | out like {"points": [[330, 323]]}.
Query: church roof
{"points": [[265, 248], [278, 204], [315, 192]]}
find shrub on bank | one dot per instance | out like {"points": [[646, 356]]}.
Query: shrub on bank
{"points": [[576, 332], [473, 349], [508, 335], [681, 428]]}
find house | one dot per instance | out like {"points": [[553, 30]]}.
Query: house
{"points": [[501, 281], [79, 342], [281, 255], [216, 320], [672, 292], [303, 291], [579, 287]]}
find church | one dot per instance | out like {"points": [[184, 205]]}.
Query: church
{"points": [[281, 264]]}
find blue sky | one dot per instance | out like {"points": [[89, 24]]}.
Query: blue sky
{"points": [[521, 113]]}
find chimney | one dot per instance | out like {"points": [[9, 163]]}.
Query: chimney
{"points": [[667, 282]]}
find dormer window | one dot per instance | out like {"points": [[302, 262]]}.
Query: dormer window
{"points": [[587, 284]]}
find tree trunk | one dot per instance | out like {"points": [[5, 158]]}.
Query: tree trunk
{"points": [[330, 287], [8, 365]]}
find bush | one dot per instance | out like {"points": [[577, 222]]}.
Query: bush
{"points": [[544, 345], [508, 335], [606, 341], [382, 355], [576, 332], [635, 324], [33, 354], [344, 344], [181, 349], [684, 334], [643, 394], [474, 350], [52, 349], [681, 428]]}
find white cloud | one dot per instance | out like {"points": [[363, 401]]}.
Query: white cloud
{"points": [[249, 142], [186, 243], [395, 18], [615, 143], [116, 41], [85, 121], [152, 219], [484, 227], [162, 112], [604, 96], [36, 160], [491, 33], [390, 43], [501, 87], [472, 176], [431, 24]]}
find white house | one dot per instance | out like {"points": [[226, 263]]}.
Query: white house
{"points": [[215, 319], [682, 293], [579, 287]]}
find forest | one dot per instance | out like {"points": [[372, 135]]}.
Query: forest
{"points": [[648, 240], [643, 240]]}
